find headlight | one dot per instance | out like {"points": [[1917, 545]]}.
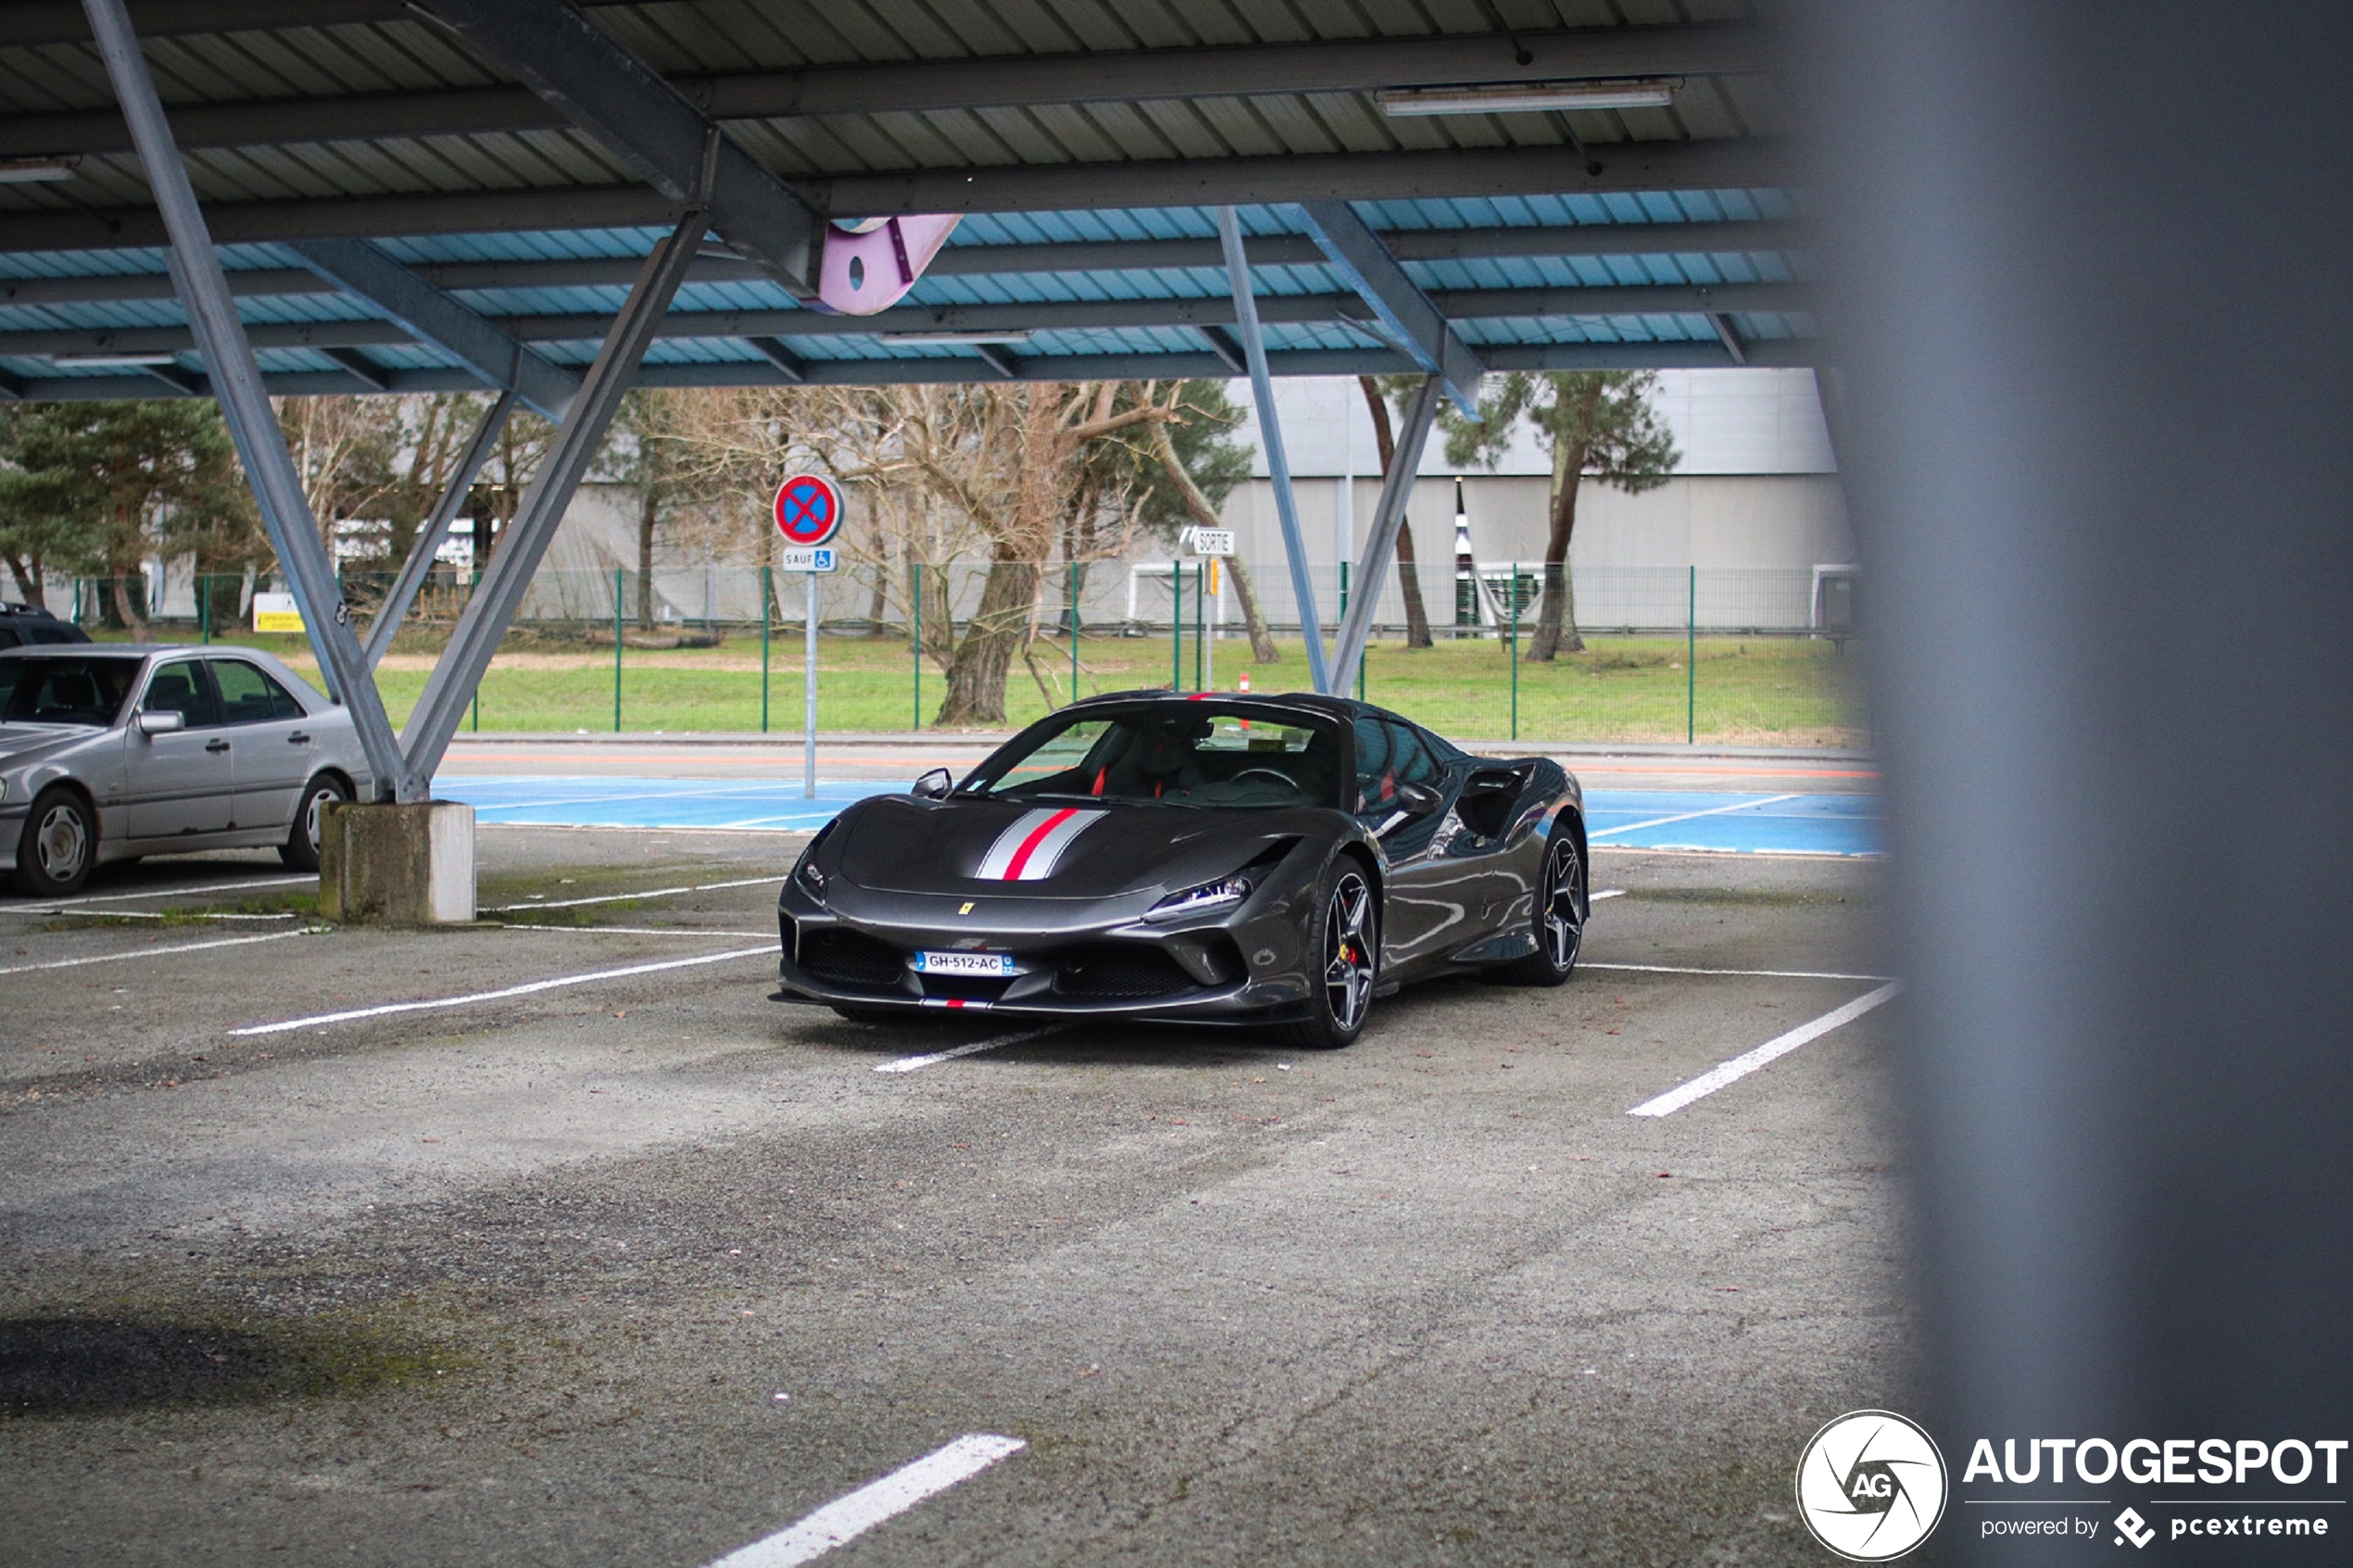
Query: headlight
{"points": [[1225, 891], [812, 878]]}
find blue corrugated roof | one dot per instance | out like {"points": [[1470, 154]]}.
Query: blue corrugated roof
{"points": [[1682, 259]]}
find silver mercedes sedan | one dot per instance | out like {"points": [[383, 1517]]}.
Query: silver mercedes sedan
{"points": [[108, 752]]}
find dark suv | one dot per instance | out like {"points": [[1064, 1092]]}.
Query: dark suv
{"points": [[22, 624]]}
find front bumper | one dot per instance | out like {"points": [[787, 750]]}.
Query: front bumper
{"points": [[1244, 967]]}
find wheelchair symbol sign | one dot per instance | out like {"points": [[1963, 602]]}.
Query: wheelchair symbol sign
{"points": [[808, 510]]}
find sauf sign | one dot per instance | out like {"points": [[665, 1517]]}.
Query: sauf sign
{"points": [[809, 513]]}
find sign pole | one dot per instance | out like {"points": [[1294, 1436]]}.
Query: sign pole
{"points": [[809, 513], [809, 703], [1208, 647]]}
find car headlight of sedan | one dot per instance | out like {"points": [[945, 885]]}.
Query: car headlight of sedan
{"points": [[1226, 892]]}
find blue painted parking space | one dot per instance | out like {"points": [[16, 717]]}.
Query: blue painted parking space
{"points": [[1757, 825], [767, 805]]}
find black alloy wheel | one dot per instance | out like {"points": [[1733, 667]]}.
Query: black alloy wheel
{"points": [[1347, 940], [301, 848], [1559, 923], [60, 846]]}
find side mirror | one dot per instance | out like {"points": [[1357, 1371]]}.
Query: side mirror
{"points": [[937, 784], [1420, 801], [162, 722]]}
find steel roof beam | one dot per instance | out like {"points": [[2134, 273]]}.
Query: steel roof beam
{"points": [[627, 108], [359, 365], [1365, 265], [524, 542], [1380, 542], [935, 86], [432, 317], [795, 368], [1678, 354], [1728, 164], [1738, 237], [1270, 442], [436, 529], [1102, 315], [36, 23], [236, 381]]}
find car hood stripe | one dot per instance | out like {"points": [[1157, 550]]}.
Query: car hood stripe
{"points": [[1030, 848]]}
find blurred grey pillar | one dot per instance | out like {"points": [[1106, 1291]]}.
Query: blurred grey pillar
{"points": [[2109, 529]]}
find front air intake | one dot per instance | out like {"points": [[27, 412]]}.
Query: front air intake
{"points": [[1120, 970], [850, 958]]}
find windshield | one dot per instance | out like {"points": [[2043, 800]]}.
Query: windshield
{"points": [[65, 691], [1197, 754]]}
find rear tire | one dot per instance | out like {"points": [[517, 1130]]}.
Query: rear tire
{"points": [[301, 848], [1558, 918], [1345, 940], [60, 845]]}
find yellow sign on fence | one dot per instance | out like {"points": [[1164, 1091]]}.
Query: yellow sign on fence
{"points": [[276, 612]]}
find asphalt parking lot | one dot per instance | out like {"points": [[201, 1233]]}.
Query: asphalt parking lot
{"points": [[640, 1266]]}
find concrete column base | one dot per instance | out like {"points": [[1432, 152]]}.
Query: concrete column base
{"points": [[397, 865]]}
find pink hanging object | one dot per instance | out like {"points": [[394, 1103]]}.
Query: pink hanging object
{"points": [[869, 265]]}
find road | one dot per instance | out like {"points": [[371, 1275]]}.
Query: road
{"points": [[645, 1267]]}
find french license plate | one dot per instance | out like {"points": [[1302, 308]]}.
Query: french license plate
{"points": [[992, 964]]}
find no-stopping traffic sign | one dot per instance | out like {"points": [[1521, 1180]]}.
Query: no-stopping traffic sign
{"points": [[808, 510]]}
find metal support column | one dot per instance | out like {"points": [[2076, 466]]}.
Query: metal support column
{"points": [[1381, 544], [526, 538], [1270, 439], [434, 529], [236, 382]]}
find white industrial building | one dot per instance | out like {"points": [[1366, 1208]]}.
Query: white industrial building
{"points": [[1754, 504]]}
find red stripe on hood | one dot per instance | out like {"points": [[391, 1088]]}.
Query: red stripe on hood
{"points": [[1030, 846]]}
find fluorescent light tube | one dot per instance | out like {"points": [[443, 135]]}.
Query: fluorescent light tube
{"points": [[966, 338], [115, 358], [1518, 97], [25, 170]]}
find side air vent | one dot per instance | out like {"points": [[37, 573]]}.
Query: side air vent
{"points": [[1120, 969]]}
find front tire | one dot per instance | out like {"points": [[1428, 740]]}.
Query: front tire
{"points": [[301, 848], [1558, 918], [1345, 938], [60, 846]]}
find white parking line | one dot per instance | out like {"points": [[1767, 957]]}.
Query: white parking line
{"points": [[623, 930], [158, 893], [908, 1063], [171, 914], [620, 897], [1605, 893], [873, 1502], [1687, 816], [1779, 1046], [527, 989], [161, 952], [1750, 974]]}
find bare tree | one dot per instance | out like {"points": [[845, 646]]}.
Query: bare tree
{"points": [[1409, 576], [1262, 640]]}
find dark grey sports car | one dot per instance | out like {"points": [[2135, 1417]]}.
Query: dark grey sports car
{"points": [[1271, 861]]}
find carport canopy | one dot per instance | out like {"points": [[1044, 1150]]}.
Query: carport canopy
{"points": [[560, 199]]}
